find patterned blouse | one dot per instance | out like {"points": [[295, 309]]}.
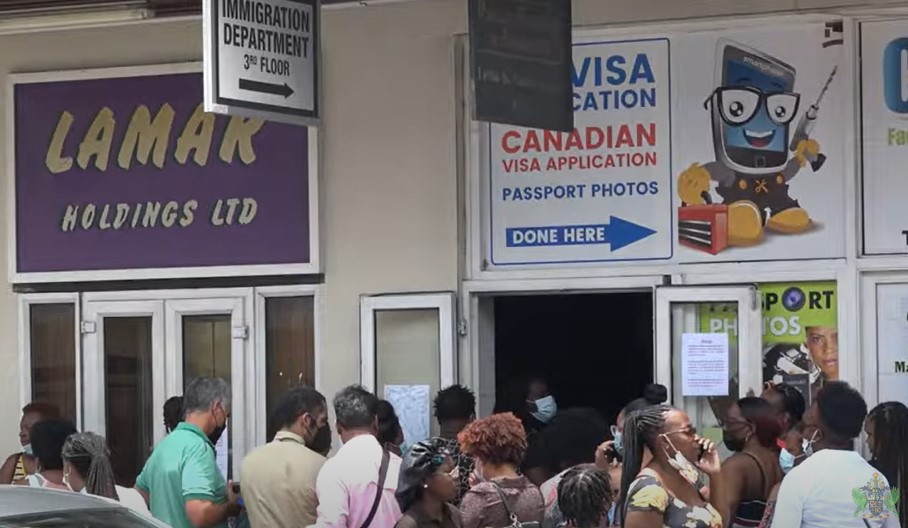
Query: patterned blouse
{"points": [[465, 467], [647, 494], [482, 506]]}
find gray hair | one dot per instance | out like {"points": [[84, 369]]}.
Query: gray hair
{"points": [[202, 393], [88, 453]]}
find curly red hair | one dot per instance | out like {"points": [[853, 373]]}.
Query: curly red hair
{"points": [[497, 439]]}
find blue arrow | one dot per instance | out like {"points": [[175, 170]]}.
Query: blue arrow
{"points": [[622, 233], [618, 233]]}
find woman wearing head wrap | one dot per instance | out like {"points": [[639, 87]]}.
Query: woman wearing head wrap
{"points": [[87, 469], [426, 487]]}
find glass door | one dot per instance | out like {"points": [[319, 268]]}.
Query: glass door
{"points": [[708, 350], [124, 379], [140, 348], [407, 355], [207, 338]]}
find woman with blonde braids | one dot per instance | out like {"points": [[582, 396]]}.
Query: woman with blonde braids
{"points": [[87, 469]]}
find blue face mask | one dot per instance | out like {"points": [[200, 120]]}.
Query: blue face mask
{"points": [[786, 460], [546, 408], [617, 440], [27, 449]]}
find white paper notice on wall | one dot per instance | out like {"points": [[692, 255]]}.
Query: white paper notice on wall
{"points": [[411, 403], [222, 453], [892, 341], [704, 365]]}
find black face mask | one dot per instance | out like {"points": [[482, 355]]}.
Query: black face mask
{"points": [[735, 445], [321, 440], [216, 434]]}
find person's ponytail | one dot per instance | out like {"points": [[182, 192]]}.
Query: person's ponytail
{"points": [[100, 480], [633, 459], [88, 453], [639, 429], [655, 394]]}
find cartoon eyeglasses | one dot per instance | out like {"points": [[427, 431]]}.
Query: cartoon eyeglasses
{"points": [[737, 106]]}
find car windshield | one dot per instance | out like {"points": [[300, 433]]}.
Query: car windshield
{"points": [[102, 518]]}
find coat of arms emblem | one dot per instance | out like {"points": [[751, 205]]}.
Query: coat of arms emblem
{"points": [[875, 500]]}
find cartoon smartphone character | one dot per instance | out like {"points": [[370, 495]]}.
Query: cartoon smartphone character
{"points": [[752, 109], [756, 154]]}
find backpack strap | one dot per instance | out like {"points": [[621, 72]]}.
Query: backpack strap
{"points": [[382, 475]]}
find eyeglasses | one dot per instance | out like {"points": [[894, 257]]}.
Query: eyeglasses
{"points": [[738, 106], [689, 431]]}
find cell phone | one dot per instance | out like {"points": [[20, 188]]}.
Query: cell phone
{"points": [[612, 454], [236, 488], [701, 451], [745, 77]]}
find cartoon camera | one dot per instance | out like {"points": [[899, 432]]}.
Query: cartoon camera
{"points": [[756, 153]]}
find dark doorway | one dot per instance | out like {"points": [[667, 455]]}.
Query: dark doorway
{"points": [[594, 350]]}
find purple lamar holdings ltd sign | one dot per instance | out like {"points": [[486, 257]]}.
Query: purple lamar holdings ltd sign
{"points": [[129, 173]]}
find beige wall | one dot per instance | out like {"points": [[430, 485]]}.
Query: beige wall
{"points": [[389, 174]]}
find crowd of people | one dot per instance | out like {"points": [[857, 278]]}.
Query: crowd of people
{"points": [[528, 464]]}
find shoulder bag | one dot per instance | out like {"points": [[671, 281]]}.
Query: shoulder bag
{"points": [[382, 475], [515, 522]]}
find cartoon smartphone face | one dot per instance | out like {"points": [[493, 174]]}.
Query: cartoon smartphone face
{"points": [[752, 109]]}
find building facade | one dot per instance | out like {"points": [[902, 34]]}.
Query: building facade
{"points": [[384, 246]]}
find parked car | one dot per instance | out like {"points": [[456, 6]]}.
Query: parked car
{"points": [[25, 507]]}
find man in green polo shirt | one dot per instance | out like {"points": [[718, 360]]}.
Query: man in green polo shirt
{"points": [[181, 482]]}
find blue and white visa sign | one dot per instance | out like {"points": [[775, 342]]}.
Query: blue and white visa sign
{"points": [[603, 192]]}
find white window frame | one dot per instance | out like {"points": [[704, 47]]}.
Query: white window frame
{"points": [[168, 366], [444, 303], [750, 322], [25, 344], [870, 331], [240, 361], [260, 378], [96, 311]]}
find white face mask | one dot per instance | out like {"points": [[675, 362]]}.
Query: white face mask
{"points": [[681, 464], [546, 408], [27, 449]]}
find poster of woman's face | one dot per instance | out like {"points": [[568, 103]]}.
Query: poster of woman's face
{"points": [[823, 344]]}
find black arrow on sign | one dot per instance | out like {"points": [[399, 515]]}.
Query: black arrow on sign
{"points": [[268, 88]]}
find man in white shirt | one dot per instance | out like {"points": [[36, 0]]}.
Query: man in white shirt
{"points": [[832, 487], [352, 492]]}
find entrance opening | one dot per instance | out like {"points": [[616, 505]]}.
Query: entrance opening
{"points": [[594, 350]]}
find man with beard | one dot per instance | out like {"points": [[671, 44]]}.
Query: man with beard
{"points": [[278, 479], [750, 431], [181, 482]]}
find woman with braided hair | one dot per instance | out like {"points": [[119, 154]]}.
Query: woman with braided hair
{"points": [[664, 493], [585, 497], [87, 469], [887, 437]]}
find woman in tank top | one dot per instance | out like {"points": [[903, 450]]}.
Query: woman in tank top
{"points": [[751, 430], [47, 438], [19, 465]]}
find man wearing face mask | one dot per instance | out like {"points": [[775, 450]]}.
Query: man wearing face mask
{"points": [[540, 402], [826, 489], [181, 482], [278, 479]]}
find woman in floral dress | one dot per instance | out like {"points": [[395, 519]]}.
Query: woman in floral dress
{"points": [[664, 494]]}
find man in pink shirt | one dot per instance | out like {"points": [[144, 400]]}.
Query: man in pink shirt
{"points": [[356, 486]]}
